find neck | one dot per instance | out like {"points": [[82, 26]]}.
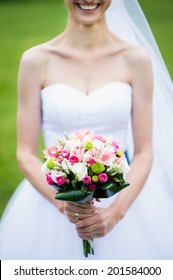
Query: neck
{"points": [[86, 36]]}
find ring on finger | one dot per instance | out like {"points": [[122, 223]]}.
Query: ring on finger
{"points": [[76, 216]]}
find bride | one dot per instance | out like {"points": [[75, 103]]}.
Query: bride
{"points": [[89, 78]]}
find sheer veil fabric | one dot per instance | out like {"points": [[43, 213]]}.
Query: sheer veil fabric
{"points": [[126, 19]]}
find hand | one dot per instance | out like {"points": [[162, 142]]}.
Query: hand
{"points": [[77, 212], [97, 225]]}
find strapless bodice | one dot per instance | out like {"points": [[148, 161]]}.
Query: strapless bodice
{"points": [[106, 111]]}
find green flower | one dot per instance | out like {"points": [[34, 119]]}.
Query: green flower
{"points": [[97, 167], [50, 164], [119, 153], [88, 145], [95, 178]]}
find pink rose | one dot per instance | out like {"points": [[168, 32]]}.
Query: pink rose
{"points": [[91, 162], [87, 180], [73, 159], [49, 180], [103, 177], [92, 187], [60, 181]]}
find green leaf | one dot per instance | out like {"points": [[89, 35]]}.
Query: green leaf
{"points": [[120, 177], [84, 188], [74, 196], [125, 184], [90, 172], [73, 182], [65, 187], [108, 189]]}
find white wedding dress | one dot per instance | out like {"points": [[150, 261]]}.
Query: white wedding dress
{"points": [[32, 228]]}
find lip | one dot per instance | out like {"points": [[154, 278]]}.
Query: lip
{"points": [[89, 11]]}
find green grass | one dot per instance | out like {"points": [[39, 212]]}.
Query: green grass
{"points": [[22, 25], [27, 23], [160, 17]]}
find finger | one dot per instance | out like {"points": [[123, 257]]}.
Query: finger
{"points": [[87, 230], [80, 210], [83, 205], [90, 235], [75, 217], [79, 217], [97, 230], [80, 206], [87, 223], [92, 224]]}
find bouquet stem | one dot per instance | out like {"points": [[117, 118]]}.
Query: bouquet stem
{"points": [[87, 247]]}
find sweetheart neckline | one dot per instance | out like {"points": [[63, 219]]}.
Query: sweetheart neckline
{"points": [[83, 94]]}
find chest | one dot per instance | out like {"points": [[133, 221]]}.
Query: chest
{"points": [[86, 73]]}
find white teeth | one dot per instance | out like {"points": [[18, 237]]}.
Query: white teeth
{"points": [[91, 7]]}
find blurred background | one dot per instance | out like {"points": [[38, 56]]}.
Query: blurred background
{"points": [[24, 24]]}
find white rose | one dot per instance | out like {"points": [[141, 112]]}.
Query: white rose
{"points": [[80, 170]]}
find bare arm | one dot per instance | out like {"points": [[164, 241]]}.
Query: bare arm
{"points": [[142, 84], [31, 78]]}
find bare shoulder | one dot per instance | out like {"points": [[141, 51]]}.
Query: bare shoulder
{"points": [[35, 56], [138, 62], [137, 56], [33, 64], [40, 54], [134, 57]]}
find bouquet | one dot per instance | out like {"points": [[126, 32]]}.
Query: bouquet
{"points": [[85, 166]]}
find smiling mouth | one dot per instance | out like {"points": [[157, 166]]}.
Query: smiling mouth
{"points": [[88, 8]]}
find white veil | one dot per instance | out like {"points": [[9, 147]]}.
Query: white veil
{"points": [[126, 19]]}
